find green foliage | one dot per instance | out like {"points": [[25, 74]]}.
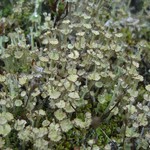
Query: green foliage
{"points": [[76, 80]]}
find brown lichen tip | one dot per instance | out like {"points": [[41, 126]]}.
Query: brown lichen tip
{"points": [[96, 121]]}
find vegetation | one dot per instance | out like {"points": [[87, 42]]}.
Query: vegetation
{"points": [[74, 74]]}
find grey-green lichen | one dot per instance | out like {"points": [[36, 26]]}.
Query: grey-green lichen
{"points": [[74, 82]]}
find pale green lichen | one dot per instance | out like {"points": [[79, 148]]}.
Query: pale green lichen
{"points": [[61, 73]]}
